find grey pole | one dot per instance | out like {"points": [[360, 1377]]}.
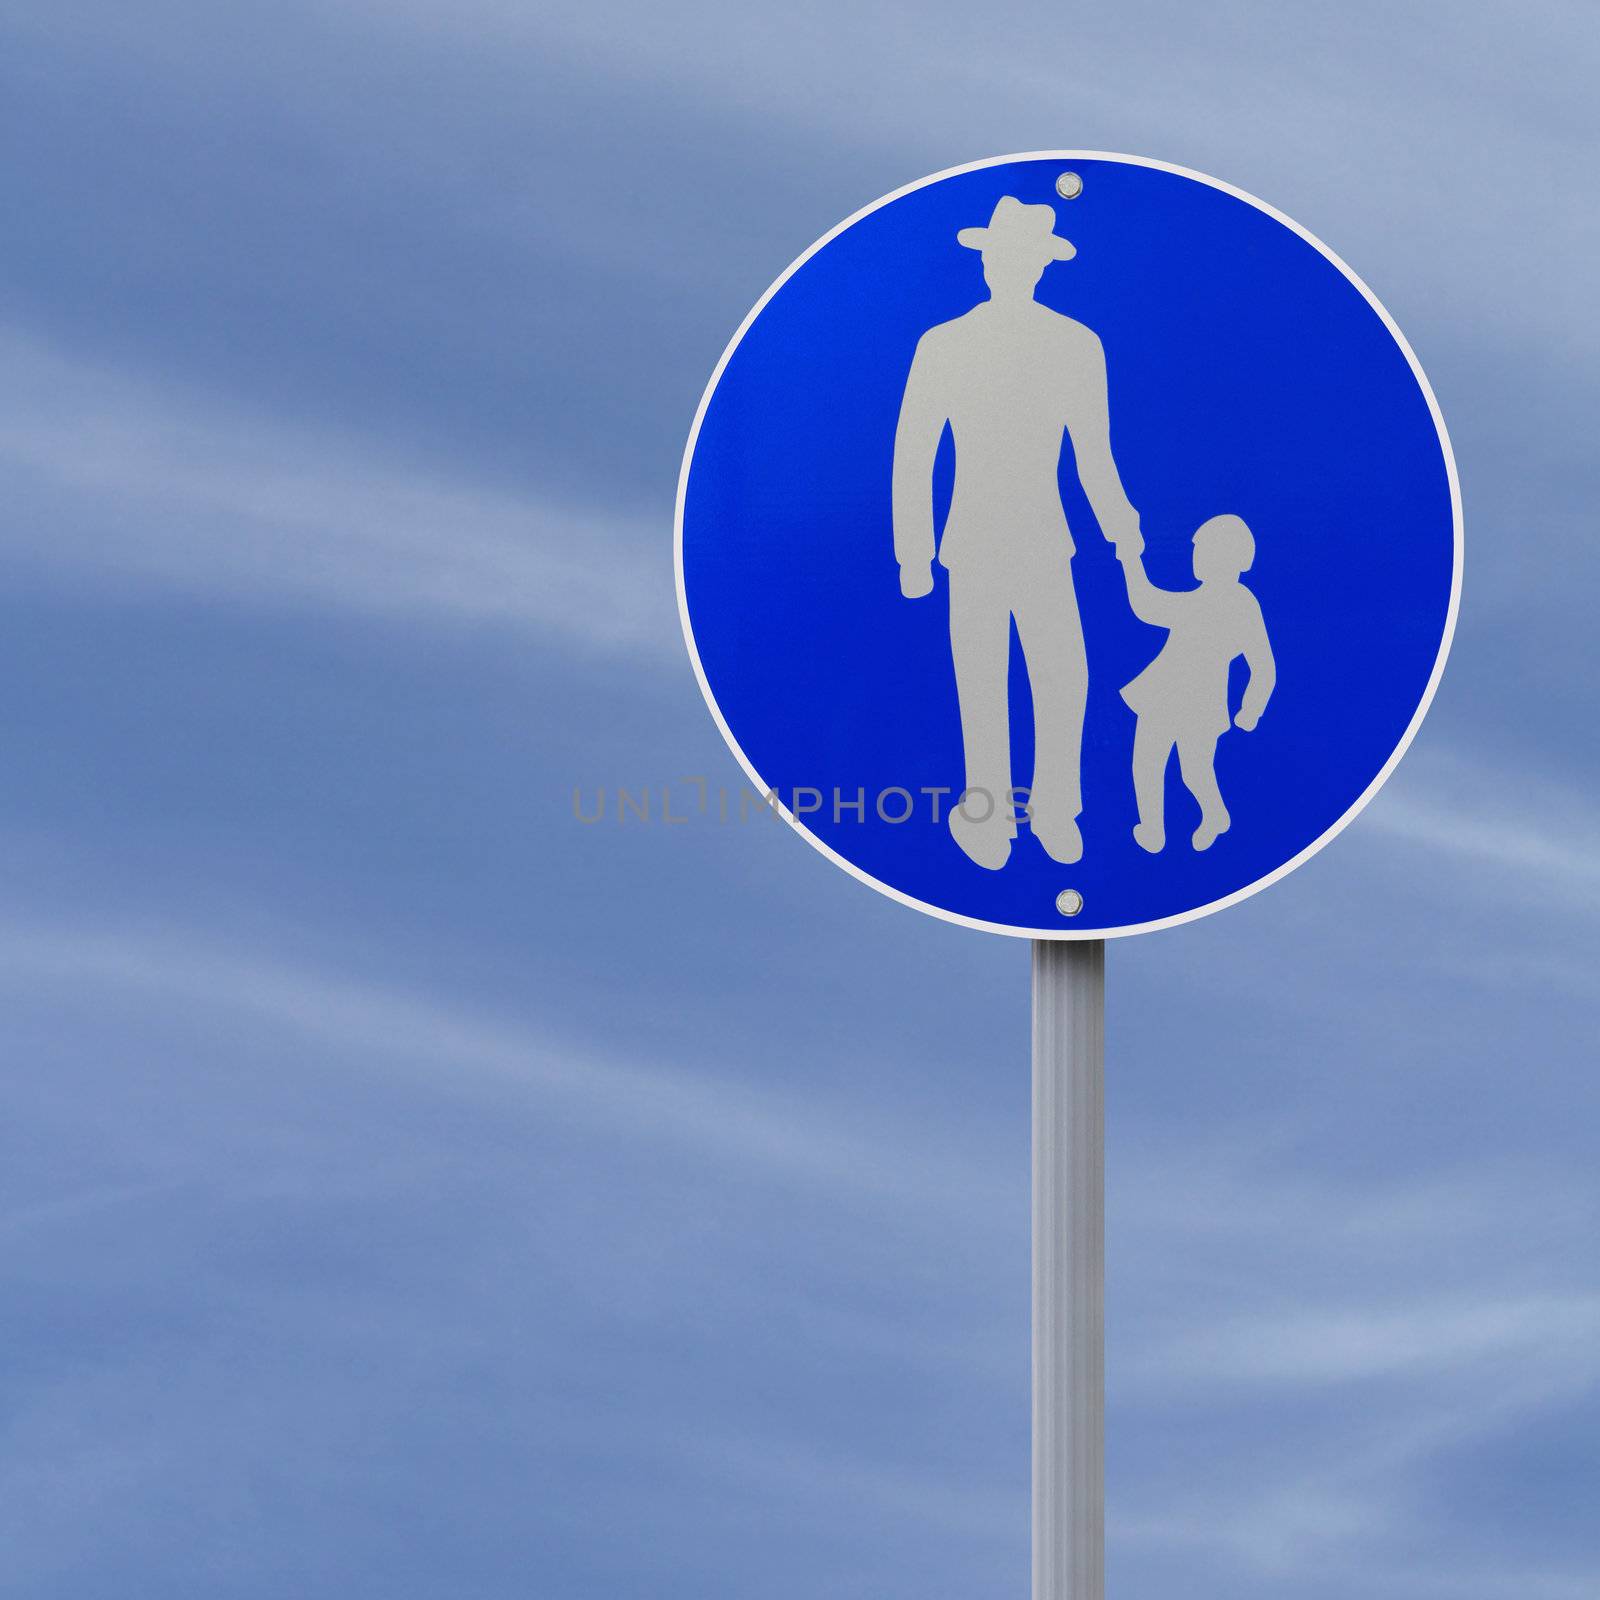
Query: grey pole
{"points": [[1069, 1035]]}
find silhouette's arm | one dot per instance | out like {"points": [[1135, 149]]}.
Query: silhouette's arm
{"points": [[1148, 603], [923, 415], [1090, 428], [1263, 669]]}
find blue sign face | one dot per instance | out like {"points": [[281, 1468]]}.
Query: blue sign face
{"points": [[1068, 545]]}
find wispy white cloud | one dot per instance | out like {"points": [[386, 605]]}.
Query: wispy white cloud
{"points": [[1526, 837], [70, 1208], [126, 483], [834, 1487], [1212, 1194], [1308, 1538], [1561, 852], [1303, 1346], [457, 1051]]}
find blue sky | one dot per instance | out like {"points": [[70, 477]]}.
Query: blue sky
{"points": [[409, 1192]]}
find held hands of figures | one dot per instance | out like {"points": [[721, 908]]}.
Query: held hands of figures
{"points": [[915, 582]]}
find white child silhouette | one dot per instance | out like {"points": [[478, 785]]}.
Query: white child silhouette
{"points": [[1181, 698]]}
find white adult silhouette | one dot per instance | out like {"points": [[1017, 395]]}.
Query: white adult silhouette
{"points": [[1010, 377]]}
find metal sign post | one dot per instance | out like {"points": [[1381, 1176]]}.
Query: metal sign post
{"points": [[1069, 1035]]}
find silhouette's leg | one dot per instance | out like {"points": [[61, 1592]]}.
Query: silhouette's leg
{"points": [[980, 645], [1197, 757], [1152, 749], [1058, 672]]}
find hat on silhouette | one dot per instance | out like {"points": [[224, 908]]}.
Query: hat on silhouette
{"points": [[1016, 226]]}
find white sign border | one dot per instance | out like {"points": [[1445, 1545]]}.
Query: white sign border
{"points": [[1238, 894]]}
